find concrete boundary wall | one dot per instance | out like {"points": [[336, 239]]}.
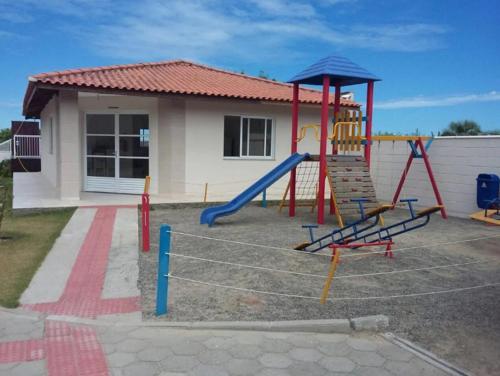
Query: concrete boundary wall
{"points": [[456, 162]]}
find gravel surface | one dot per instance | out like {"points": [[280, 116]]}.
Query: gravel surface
{"points": [[462, 327]]}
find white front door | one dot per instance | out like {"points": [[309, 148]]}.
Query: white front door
{"points": [[117, 152]]}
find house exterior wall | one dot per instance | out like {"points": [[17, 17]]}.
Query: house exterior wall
{"points": [[456, 162], [186, 141], [70, 176], [50, 158], [172, 144], [205, 162]]}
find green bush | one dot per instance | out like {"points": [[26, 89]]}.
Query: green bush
{"points": [[5, 169]]}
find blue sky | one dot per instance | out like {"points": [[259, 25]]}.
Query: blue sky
{"points": [[439, 60]]}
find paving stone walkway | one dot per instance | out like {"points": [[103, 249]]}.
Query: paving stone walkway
{"points": [[34, 345]]}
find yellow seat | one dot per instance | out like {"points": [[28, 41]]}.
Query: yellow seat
{"points": [[428, 211], [381, 209]]}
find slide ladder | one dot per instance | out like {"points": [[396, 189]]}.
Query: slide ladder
{"points": [[349, 178]]}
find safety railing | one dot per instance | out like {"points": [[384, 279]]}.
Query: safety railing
{"points": [[26, 146], [347, 136]]}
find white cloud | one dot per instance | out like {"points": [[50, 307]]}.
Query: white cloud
{"points": [[421, 101], [285, 8], [335, 2], [206, 30]]}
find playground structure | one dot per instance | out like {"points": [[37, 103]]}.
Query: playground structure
{"points": [[347, 172]]}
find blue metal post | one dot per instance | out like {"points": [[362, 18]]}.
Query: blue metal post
{"points": [[429, 143], [264, 199], [163, 267]]}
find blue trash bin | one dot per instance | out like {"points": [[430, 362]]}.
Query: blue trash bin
{"points": [[488, 186]]}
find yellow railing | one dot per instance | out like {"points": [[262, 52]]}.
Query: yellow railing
{"points": [[347, 132], [303, 131], [346, 136]]}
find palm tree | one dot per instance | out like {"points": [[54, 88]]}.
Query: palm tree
{"points": [[462, 128]]}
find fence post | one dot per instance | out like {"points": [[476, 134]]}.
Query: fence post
{"points": [[163, 267], [205, 192]]}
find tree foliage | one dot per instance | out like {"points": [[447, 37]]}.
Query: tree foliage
{"points": [[5, 134], [462, 128]]}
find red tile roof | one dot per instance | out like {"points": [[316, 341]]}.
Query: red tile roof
{"points": [[174, 77]]}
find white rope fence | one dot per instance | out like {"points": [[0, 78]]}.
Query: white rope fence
{"points": [[323, 276], [461, 289], [361, 298], [292, 252]]}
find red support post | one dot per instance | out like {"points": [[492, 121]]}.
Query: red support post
{"points": [[369, 114], [427, 163], [322, 149], [336, 110], [420, 145], [145, 222], [295, 130], [402, 179]]}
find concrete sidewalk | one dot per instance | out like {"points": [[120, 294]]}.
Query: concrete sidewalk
{"points": [[92, 268], [34, 345]]}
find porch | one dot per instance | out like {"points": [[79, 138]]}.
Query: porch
{"points": [[33, 191]]}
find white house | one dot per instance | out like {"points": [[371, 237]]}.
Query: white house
{"points": [[104, 129]]}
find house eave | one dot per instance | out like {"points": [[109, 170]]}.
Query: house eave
{"points": [[38, 94]]}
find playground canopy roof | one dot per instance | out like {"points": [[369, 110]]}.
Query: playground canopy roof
{"points": [[341, 71]]}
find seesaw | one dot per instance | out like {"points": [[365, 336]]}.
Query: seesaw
{"points": [[363, 233]]}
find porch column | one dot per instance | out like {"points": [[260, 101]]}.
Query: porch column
{"points": [[295, 129], [322, 149], [70, 150], [368, 131]]}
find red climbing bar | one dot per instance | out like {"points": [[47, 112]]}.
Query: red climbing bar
{"points": [[295, 129], [369, 113], [402, 180], [322, 149]]}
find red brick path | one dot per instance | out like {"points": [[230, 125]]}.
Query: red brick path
{"points": [[82, 294], [69, 351]]}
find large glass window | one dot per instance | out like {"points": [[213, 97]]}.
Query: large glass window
{"points": [[100, 124], [248, 137], [134, 168], [117, 145], [103, 167]]}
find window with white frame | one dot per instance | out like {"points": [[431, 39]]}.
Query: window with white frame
{"points": [[248, 137]]}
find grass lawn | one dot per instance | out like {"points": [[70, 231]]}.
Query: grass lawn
{"points": [[25, 241]]}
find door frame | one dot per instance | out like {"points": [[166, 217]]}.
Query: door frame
{"points": [[116, 113]]}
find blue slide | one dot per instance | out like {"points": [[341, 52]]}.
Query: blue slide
{"points": [[209, 215]]}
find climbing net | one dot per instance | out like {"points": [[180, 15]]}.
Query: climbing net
{"points": [[306, 185]]}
